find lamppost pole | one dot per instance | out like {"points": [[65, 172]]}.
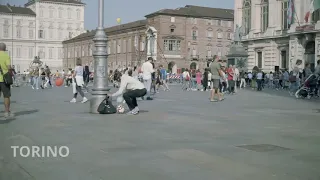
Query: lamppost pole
{"points": [[100, 83]]}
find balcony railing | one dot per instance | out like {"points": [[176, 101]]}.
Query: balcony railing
{"points": [[194, 57]]}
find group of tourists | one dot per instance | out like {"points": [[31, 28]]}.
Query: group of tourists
{"points": [[231, 79]]}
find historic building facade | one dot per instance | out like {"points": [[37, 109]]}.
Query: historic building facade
{"points": [[272, 38], [178, 38], [39, 28], [17, 31]]}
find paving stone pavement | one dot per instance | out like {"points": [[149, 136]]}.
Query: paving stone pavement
{"points": [[178, 136]]}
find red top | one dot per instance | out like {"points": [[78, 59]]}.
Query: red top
{"points": [[230, 73]]}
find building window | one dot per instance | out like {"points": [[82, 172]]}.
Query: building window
{"points": [[50, 53], [285, 24], [78, 14], [18, 32], [219, 23], [172, 45], [109, 50], [60, 53], [124, 44], [30, 52], [60, 34], [246, 16], [194, 20], [129, 45], [194, 34], [264, 15], [194, 51], [41, 53], [229, 24], [219, 52], [119, 46], [51, 13], [41, 34], [50, 33], [30, 33], [5, 31], [229, 36], [69, 13], [173, 19], [209, 52], [219, 35], [171, 30], [18, 51], [142, 46], [209, 34], [70, 35], [60, 13], [209, 22]]}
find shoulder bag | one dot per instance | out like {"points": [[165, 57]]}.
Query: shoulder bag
{"points": [[106, 107], [7, 77]]}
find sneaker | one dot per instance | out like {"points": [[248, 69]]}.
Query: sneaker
{"points": [[65, 86], [149, 98], [8, 115], [32, 87], [73, 100], [136, 109], [84, 100], [135, 112]]}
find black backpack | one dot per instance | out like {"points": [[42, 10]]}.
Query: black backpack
{"points": [[106, 107]]}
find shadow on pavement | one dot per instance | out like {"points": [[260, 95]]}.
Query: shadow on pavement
{"points": [[20, 113]]}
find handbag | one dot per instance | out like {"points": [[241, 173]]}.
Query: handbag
{"points": [[106, 107], [7, 77]]}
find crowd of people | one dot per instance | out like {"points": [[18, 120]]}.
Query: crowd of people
{"points": [[231, 79]]}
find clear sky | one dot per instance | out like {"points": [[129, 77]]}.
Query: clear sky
{"points": [[132, 10]]}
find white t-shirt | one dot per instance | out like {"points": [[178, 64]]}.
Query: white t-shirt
{"points": [[185, 74], [147, 69], [209, 76], [259, 75], [250, 75], [271, 76], [128, 83], [79, 70]]}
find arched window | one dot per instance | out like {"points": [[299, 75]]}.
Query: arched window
{"points": [[246, 16], [78, 14], [60, 12], [264, 15], [69, 13]]}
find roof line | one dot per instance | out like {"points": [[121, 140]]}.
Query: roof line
{"points": [[8, 6]]}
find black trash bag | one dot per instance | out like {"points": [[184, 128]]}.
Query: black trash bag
{"points": [[106, 107]]}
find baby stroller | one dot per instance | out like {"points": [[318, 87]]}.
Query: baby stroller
{"points": [[308, 88]]}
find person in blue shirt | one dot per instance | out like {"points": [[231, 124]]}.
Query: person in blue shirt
{"points": [[163, 79]]}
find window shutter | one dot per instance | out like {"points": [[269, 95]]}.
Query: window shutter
{"points": [[197, 33]]}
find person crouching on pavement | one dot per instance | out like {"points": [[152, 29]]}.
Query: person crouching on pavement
{"points": [[130, 89]]}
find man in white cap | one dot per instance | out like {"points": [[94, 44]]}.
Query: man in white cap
{"points": [[147, 70], [5, 67]]}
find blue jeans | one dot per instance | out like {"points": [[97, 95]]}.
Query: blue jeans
{"points": [[294, 86], [35, 82]]}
